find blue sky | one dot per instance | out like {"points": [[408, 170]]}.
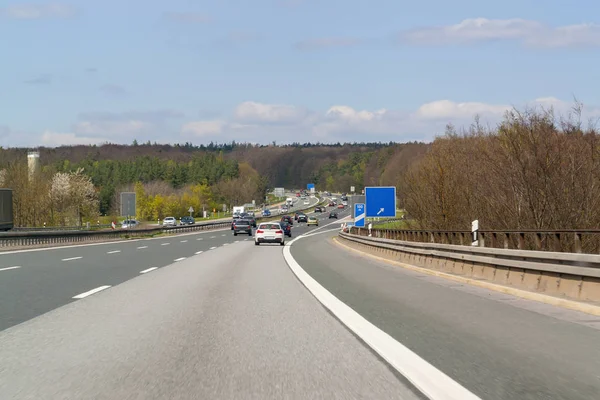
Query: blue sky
{"points": [[285, 70]]}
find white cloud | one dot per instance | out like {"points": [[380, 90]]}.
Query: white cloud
{"points": [[263, 123], [531, 33], [37, 11], [54, 139], [251, 111], [204, 128]]}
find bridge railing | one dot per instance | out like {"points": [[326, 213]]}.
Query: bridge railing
{"points": [[564, 240]]}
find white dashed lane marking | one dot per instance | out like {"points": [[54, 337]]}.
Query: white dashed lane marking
{"points": [[72, 258], [180, 259], [9, 268], [148, 270], [113, 252]]}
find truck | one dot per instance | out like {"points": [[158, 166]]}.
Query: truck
{"points": [[289, 201], [6, 209], [238, 210]]}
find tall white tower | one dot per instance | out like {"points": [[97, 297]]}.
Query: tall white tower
{"points": [[33, 162]]}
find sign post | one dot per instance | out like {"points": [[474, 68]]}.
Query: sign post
{"points": [[475, 233], [359, 215], [380, 201]]}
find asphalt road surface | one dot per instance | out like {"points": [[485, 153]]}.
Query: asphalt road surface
{"points": [[497, 346], [231, 322], [37, 281]]}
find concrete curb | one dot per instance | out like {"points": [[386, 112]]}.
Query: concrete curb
{"points": [[542, 298]]}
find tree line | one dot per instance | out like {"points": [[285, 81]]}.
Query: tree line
{"points": [[535, 170]]}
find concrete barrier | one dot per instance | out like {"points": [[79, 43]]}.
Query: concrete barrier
{"points": [[573, 276]]}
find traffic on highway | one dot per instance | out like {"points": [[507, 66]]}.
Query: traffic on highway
{"points": [[274, 308]]}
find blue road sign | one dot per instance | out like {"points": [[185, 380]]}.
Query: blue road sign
{"points": [[380, 201], [310, 186], [359, 215]]}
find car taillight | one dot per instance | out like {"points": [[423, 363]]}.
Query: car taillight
{"points": [[279, 231], [260, 231]]}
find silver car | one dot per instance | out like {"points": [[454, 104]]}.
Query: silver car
{"points": [[169, 221]]}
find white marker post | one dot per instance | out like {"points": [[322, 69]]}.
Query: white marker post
{"points": [[370, 227], [475, 233]]}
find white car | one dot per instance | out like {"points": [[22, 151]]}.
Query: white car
{"points": [[306, 202], [169, 221], [269, 232], [130, 223]]}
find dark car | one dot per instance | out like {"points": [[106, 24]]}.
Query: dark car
{"points": [[302, 218], [242, 226], [333, 214], [288, 219], [252, 220], [296, 215], [319, 209], [287, 228], [187, 220]]}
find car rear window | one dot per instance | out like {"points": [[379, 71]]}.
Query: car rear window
{"points": [[269, 226]]}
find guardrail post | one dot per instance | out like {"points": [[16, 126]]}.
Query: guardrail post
{"points": [[577, 248], [432, 237], [556, 242], [494, 239], [481, 239], [538, 241], [506, 241], [521, 245]]}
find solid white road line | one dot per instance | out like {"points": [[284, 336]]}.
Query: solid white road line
{"points": [[91, 292], [179, 259], [199, 252], [72, 258], [183, 241], [165, 244], [6, 269], [432, 382], [148, 270], [214, 247], [142, 247], [113, 252]]}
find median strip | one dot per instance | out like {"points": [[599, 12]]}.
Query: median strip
{"points": [[91, 292], [148, 270]]}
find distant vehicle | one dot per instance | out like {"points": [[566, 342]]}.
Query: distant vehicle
{"points": [[187, 220], [312, 221], [269, 232], [344, 203], [242, 226], [169, 221], [331, 204], [6, 209], [250, 218], [306, 202], [130, 223], [340, 206], [266, 213], [288, 219], [333, 214], [289, 201], [238, 210], [302, 218], [298, 194], [319, 209], [287, 228]]}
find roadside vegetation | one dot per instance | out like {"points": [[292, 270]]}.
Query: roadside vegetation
{"points": [[535, 170]]}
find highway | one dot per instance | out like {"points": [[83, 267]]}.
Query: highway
{"points": [[37, 281], [210, 315], [497, 346], [232, 322]]}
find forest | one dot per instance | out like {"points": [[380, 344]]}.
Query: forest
{"points": [[534, 170]]}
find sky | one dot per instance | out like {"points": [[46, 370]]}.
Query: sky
{"points": [[263, 71]]}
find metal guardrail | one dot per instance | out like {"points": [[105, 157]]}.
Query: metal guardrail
{"points": [[573, 275], [12, 239], [60, 228], [564, 240], [52, 236]]}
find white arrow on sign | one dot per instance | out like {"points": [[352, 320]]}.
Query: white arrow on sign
{"points": [[191, 209], [380, 211]]}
